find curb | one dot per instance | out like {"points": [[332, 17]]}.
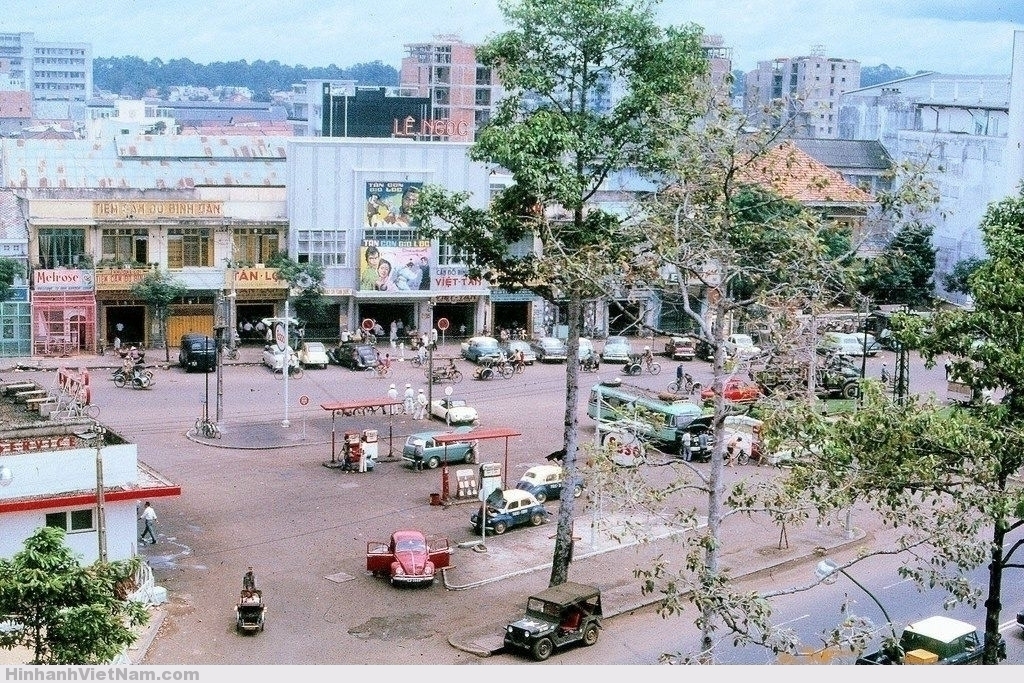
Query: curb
{"points": [[137, 652]]}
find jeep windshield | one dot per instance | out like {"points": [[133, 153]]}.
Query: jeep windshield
{"points": [[543, 608]]}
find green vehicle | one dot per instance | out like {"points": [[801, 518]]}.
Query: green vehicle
{"points": [[661, 418], [559, 616], [421, 451]]}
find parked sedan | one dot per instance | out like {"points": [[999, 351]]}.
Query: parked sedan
{"points": [[313, 355], [421, 450], [546, 482], [510, 347], [616, 350], [410, 558], [355, 356], [508, 509], [550, 350], [453, 411], [481, 349], [681, 348], [735, 390]]}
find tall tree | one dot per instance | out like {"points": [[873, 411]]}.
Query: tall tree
{"points": [[559, 62], [67, 613], [159, 290]]}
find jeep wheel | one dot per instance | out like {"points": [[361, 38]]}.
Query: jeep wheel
{"points": [[851, 390], [536, 519], [577, 491], [500, 528], [433, 462], [590, 635], [542, 649], [541, 496]]}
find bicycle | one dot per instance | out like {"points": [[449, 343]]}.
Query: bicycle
{"points": [[207, 428], [684, 385], [379, 370]]}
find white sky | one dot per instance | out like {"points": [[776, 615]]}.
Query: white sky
{"points": [[951, 36]]}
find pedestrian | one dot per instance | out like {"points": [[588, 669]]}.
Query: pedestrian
{"points": [[148, 517], [421, 406], [392, 393], [421, 354], [687, 444], [393, 334], [732, 450], [410, 400], [433, 338], [702, 444]]}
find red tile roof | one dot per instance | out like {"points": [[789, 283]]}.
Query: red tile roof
{"points": [[796, 175]]}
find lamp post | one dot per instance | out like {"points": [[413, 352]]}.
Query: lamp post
{"points": [[98, 432], [430, 354], [826, 569]]}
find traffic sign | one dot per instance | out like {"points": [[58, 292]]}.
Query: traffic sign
{"points": [[442, 324], [367, 324], [303, 400]]}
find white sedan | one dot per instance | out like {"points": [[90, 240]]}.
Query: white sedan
{"points": [[453, 411], [313, 355], [273, 358]]}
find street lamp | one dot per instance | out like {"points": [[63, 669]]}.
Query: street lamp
{"points": [[826, 570], [430, 354], [98, 432]]}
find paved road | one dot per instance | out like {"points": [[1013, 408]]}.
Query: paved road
{"points": [[304, 527]]}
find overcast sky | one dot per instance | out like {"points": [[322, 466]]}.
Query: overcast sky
{"points": [[951, 36]]}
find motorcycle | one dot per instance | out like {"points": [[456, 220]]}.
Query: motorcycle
{"points": [[590, 363], [137, 376]]}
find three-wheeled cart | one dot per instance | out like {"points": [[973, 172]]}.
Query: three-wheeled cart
{"points": [[250, 612]]}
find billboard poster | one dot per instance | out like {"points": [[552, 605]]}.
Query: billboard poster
{"points": [[388, 204], [399, 266]]}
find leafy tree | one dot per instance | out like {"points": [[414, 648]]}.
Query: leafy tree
{"points": [[903, 272], [556, 62], [159, 290], [306, 277], [10, 270], [68, 614], [958, 280]]}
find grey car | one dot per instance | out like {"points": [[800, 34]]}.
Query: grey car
{"points": [[549, 350]]}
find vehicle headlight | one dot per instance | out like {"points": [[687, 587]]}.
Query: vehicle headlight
{"points": [[509, 628]]}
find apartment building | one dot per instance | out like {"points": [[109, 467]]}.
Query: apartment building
{"points": [[50, 70], [462, 92], [809, 89]]}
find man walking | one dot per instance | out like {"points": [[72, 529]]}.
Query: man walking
{"points": [[148, 517], [410, 400], [687, 443]]}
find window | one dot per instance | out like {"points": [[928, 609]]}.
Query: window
{"points": [[254, 245], [125, 245], [189, 247], [326, 247], [71, 521], [448, 254], [61, 247], [483, 75]]}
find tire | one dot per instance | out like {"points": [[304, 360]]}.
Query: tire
{"points": [[536, 519], [91, 410], [456, 377], [500, 528], [542, 649], [120, 381], [507, 371], [471, 456], [541, 497], [590, 635], [385, 371], [675, 387], [577, 491], [432, 463], [655, 368], [851, 390], [297, 373], [742, 458]]}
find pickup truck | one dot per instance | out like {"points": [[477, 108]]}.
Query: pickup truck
{"points": [[935, 640]]}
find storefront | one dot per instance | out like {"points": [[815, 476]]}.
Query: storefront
{"points": [[63, 312], [16, 324], [122, 316], [257, 293]]}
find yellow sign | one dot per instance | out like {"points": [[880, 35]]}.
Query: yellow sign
{"points": [[119, 278], [151, 209], [255, 278]]}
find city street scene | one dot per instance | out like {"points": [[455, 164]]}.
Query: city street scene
{"points": [[621, 332]]}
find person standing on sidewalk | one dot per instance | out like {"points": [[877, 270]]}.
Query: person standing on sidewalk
{"points": [[421, 406], [148, 517], [410, 400]]}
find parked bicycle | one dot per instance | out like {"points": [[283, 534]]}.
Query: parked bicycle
{"points": [[207, 428]]}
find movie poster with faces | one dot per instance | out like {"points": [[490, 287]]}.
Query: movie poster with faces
{"points": [[388, 204]]}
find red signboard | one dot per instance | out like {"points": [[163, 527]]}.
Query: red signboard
{"points": [[367, 324]]}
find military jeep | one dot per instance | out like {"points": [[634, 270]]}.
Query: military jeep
{"points": [[561, 615]]}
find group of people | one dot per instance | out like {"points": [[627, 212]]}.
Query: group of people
{"points": [[413, 403]]}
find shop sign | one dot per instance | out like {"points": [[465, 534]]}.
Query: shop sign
{"points": [[142, 210], [122, 279], [255, 278], [62, 280], [42, 443], [338, 291]]}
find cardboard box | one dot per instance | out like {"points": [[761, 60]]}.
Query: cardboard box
{"points": [[920, 657]]}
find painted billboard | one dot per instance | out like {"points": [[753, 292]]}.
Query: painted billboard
{"points": [[396, 267], [388, 204]]}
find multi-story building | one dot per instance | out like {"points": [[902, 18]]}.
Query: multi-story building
{"points": [[463, 93], [808, 88], [50, 70]]}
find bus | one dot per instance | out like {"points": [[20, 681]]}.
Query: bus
{"points": [[661, 418]]}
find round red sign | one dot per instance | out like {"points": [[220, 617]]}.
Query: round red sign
{"points": [[367, 324], [303, 400], [442, 324]]}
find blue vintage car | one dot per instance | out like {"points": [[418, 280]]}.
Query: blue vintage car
{"points": [[508, 509], [546, 482]]}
